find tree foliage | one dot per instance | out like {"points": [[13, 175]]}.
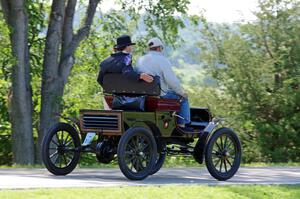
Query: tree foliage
{"points": [[59, 54], [5, 71], [257, 66]]}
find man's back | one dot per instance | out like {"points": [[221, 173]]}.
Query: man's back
{"points": [[154, 63], [118, 62]]}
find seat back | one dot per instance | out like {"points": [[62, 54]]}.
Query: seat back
{"points": [[117, 83]]}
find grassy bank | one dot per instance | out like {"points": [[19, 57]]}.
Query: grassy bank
{"points": [[165, 192]]}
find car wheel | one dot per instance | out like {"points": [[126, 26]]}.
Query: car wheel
{"points": [[60, 152], [223, 154], [137, 153]]}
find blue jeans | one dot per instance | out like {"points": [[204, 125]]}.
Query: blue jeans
{"points": [[184, 108]]}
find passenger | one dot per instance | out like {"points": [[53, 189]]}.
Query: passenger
{"points": [[156, 64], [120, 62]]}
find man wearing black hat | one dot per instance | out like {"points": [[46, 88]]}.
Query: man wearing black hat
{"points": [[120, 62]]}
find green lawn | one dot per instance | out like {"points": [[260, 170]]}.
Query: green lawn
{"points": [[165, 192]]}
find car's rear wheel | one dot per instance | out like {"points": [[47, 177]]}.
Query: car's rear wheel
{"points": [[137, 153], [160, 159], [60, 152], [223, 154]]}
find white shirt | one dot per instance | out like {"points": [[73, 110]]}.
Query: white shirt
{"points": [[156, 64]]}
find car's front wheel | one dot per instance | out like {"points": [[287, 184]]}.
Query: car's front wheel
{"points": [[223, 154]]}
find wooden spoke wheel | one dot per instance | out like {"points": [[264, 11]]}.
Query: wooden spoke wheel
{"points": [[137, 153], [60, 152], [223, 154]]}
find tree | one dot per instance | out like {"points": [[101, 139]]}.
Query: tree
{"points": [[21, 104], [257, 68], [5, 72], [61, 43]]}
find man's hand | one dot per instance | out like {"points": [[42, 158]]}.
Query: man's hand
{"points": [[146, 77]]}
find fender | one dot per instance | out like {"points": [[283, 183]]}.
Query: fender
{"points": [[74, 121], [155, 130], [151, 125], [157, 134], [201, 143]]}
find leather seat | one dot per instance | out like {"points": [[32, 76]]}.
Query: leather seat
{"points": [[118, 84]]}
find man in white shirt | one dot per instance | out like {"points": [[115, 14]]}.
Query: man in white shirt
{"points": [[156, 64]]}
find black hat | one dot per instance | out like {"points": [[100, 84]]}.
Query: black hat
{"points": [[123, 41]]}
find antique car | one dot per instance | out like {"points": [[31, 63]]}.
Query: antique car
{"points": [[141, 139]]}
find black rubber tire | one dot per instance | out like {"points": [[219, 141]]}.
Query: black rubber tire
{"points": [[70, 166], [103, 156], [125, 139], [159, 161], [218, 174], [104, 160]]}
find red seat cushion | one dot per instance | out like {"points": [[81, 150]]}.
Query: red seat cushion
{"points": [[154, 103], [159, 104]]}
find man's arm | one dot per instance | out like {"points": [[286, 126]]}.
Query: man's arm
{"points": [[100, 77], [131, 74], [170, 78], [101, 74], [128, 71]]}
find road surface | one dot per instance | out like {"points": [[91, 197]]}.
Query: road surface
{"points": [[41, 178]]}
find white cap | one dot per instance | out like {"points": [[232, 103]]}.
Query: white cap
{"points": [[155, 42]]}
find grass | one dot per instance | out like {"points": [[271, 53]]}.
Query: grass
{"points": [[165, 192]]}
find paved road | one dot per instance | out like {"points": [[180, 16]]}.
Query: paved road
{"points": [[41, 178]]}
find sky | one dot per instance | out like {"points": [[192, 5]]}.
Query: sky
{"points": [[225, 10], [214, 10]]}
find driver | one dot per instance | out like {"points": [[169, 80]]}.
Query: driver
{"points": [[156, 64], [120, 62]]}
